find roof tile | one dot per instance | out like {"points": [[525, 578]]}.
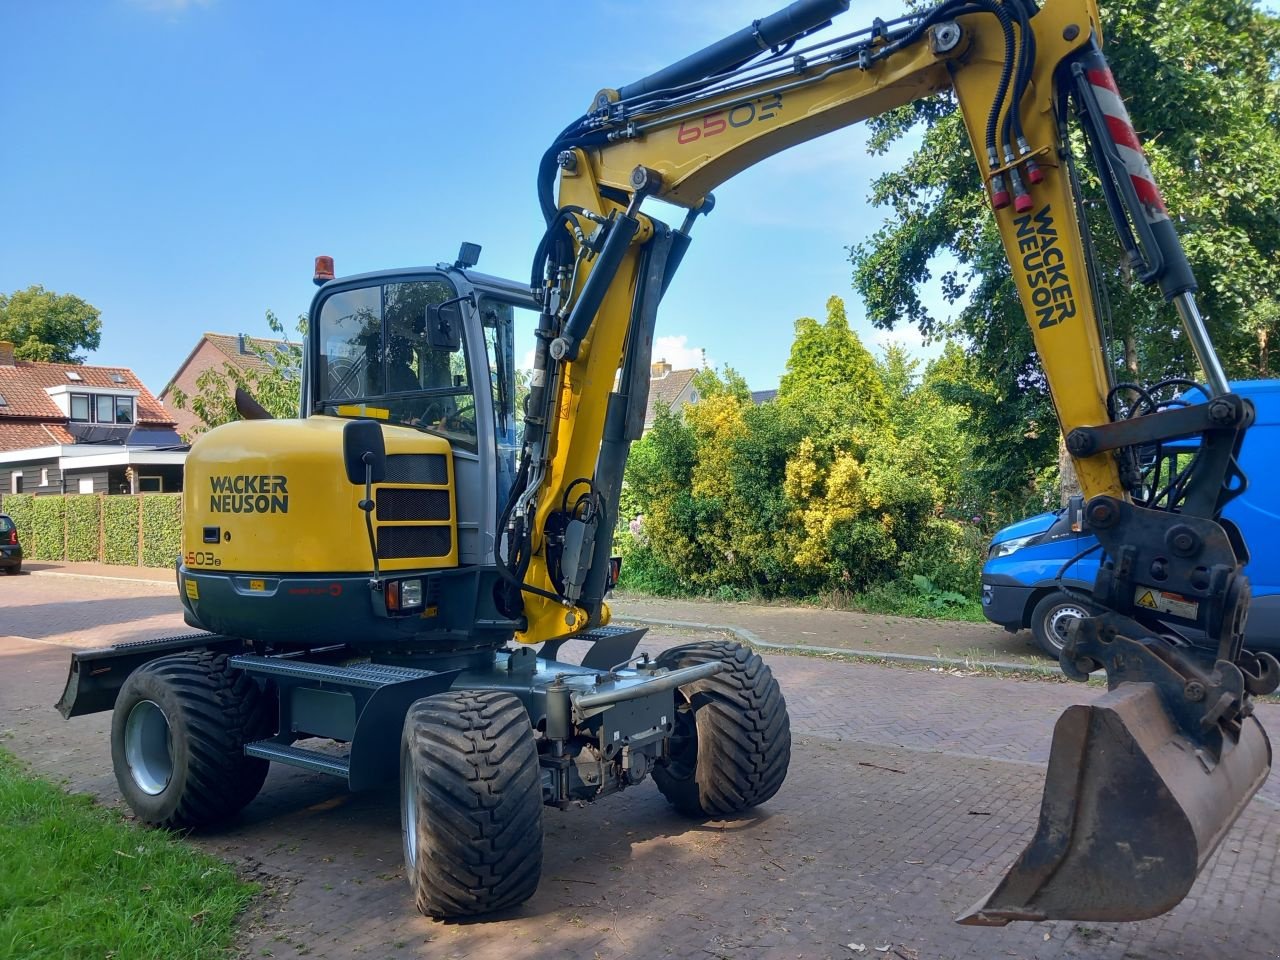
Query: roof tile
{"points": [[23, 384]]}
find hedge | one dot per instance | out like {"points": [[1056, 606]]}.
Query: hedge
{"points": [[48, 524], [161, 529], [18, 506], [120, 529], [84, 528]]}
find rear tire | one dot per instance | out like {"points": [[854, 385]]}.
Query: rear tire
{"points": [[13, 571], [471, 803], [177, 740], [1051, 618], [731, 744]]}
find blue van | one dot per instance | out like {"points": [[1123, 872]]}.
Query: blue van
{"points": [[1020, 580]]}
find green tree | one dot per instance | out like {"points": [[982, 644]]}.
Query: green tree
{"points": [[1199, 79], [831, 379], [48, 326], [276, 386]]}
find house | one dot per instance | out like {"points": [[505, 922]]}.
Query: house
{"points": [[669, 388], [213, 351], [68, 428]]}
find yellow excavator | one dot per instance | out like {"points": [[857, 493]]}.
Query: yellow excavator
{"points": [[372, 580]]}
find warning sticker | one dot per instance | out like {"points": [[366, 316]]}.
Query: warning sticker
{"points": [[1172, 603], [193, 590]]}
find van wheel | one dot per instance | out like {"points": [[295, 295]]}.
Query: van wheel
{"points": [[1052, 618]]}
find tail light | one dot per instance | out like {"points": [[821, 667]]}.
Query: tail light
{"points": [[13, 536]]}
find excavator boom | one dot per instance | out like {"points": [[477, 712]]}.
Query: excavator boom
{"points": [[1142, 784]]}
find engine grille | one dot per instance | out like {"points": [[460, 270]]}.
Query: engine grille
{"points": [[412, 504], [395, 543], [429, 468]]}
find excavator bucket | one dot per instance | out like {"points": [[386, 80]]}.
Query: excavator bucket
{"points": [[1132, 809]]}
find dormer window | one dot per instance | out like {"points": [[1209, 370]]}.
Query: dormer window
{"points": [[101, 408]]}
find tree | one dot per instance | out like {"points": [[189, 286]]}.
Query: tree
{"points": [[48, 326], [276, 387], [1200, 81], [831, 379]]}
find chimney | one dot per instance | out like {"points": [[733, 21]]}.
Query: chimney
{"points": [[6, 353], [659, 370], [241, 344]]}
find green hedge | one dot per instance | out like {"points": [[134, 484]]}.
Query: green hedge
{"points": [[48, 522], [84, 531], [161, 529], [120, 529], [18, 506], [87, 528]]}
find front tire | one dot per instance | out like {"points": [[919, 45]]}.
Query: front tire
{"points": [[177, 740], [471, 803], [1052, 617], [731, 744]]}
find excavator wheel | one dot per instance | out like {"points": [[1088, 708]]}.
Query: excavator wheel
{"points": [[471, 803], [731, 744], [177, 740]]}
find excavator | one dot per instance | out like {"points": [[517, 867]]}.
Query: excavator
{"points": [[381, 587]]}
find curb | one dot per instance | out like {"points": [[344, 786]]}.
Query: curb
{"points": [[747, 637]]}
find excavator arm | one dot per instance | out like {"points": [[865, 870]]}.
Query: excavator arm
{"points": [[1142, 784]]}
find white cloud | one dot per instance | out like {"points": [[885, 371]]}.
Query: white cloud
{"points": [[677, 352]]}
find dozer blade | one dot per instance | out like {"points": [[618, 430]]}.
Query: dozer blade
{"points": [[1132, 809]]}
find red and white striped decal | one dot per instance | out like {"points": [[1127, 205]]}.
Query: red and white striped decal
{"points": [[1126, 140]]}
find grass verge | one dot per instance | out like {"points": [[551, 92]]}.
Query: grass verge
{"points": [[77, 881]]}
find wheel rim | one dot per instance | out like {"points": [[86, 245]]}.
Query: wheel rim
{"points": [[148, 747], [409, 814], [1059, 622]]}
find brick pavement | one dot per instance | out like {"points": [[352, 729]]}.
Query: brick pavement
{"points": [[909, 792]]}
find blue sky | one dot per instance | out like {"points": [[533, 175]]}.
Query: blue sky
{"points": [[179, 164]]}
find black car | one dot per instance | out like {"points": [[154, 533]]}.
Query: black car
{"points": [[10, 548]]}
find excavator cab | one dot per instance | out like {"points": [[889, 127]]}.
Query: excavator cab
{"points": [[433, 351]]}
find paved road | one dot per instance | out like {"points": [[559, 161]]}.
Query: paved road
{"points": [[909, 792]]}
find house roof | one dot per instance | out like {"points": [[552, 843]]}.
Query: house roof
{"points": [[667, 390], [23, 387], [25, 436], [229, 346]]}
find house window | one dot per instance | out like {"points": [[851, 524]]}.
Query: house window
{"points": [[150, 485], [101, 408], [15, 483], [44, 476], [86, 484]]}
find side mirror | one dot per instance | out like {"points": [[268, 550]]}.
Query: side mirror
{"points": [[1075, 513], [362, 447], [444, 326]]}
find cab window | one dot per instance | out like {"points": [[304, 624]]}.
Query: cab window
{"points": [[378, 358]]}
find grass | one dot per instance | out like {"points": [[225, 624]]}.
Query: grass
{"points": [[77, 881]]}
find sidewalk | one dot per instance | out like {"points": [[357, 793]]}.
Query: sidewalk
{"points": [[100, 571], [821, 630], [874, 636]]}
